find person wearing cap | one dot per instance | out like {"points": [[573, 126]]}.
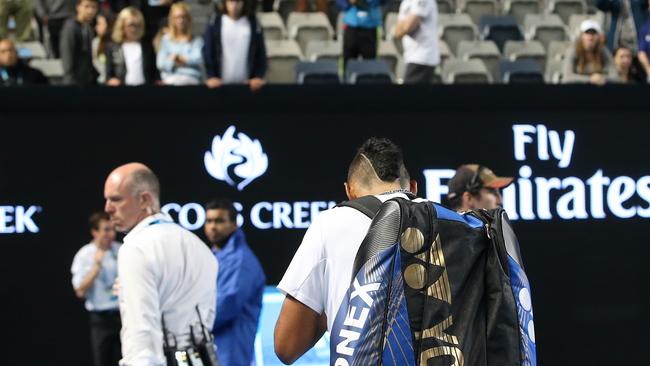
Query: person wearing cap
{"points": [[475, 186], [589, 61]]}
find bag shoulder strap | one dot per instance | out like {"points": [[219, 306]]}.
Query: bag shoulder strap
{"points": [[368, 205]]}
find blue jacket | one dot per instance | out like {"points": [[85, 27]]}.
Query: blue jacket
{"points": [[639, 9], [240, 286], [365, 14]]}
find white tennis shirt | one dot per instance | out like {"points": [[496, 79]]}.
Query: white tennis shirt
{"points": [[319, 274]]}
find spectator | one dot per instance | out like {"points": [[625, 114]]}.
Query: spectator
{"points": [[76, 46], [303, 5], [361, 19], [628, 67], [21, 11], [234, 50], [644, 46], [179, 57], [474, 187], [14, 72], [94, 271], [589, 61], [103, 28], [417, 27], [626, 17], [53, 14], [240, 285], [129, 59]]}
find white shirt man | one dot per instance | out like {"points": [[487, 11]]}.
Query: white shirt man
{"points": [[165, 270], [417, 27], [236, 36]]}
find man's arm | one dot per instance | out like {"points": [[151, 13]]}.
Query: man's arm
{"points": [[232, 287], [407, 25], [67, 46], [297, 330], [645, 62]]}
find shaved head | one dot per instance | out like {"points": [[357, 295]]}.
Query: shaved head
{"points": [[377, 167], [132, 192]]}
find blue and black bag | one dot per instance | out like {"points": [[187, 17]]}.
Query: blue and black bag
{"points": [[433, 287]]}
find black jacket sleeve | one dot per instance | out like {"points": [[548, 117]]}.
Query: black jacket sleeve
{"points": [[259, 66], [67, 48], [210, 48]]}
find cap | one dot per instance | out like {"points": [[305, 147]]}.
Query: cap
{"points": [[590, 24], [474, 176]]}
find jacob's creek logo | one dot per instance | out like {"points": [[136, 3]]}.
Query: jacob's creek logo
{"points": [[530, 197], [18, 219], [235, 160]]}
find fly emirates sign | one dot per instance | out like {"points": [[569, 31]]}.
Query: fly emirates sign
{"points": [[567, 197]]}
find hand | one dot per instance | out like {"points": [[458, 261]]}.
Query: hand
{"points": [[166, 2], [113, 82], [353, 2], [256, 84], [99, 256], [116, 287], [213, 83], [180, 60], [597, 79]]}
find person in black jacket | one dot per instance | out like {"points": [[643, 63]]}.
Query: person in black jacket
{"points": [[76, 46], [130, 60], [242, 59], [14, 72]]}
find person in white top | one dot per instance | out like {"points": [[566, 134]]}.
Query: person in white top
{"points": [[417, 24], [234, 48], [319, 274], [164, 269]]}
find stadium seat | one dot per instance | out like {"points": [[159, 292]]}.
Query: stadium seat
{"points": [[545, 28], [445, 6], [553, 74], [317, 73], [485, 51], [479, 8], [389, 25], [525, 50], [519, 8], [305, 27], [51, 68], [200, 17], [272, 25], [445, 52], [368, 72], [500, 29], [473, 71], [323, 50], [576, 19], [31, 50], [521, 72], [566, 8], [557, 49], [387, 51], [453, 28], [282, 55]]}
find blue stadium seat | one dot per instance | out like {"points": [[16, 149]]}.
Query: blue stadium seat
{"points": [[521, 72], [368, 72], [318, 73], [500, 29]]}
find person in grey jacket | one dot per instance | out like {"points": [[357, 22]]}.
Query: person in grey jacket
{"points": [[589, 61], [76, 46], [53, 14]]}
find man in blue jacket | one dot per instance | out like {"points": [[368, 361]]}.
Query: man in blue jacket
{"points": [[361, 19], [240, 285]]}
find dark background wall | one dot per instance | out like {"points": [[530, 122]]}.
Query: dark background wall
{"points": [[57, 145]]}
